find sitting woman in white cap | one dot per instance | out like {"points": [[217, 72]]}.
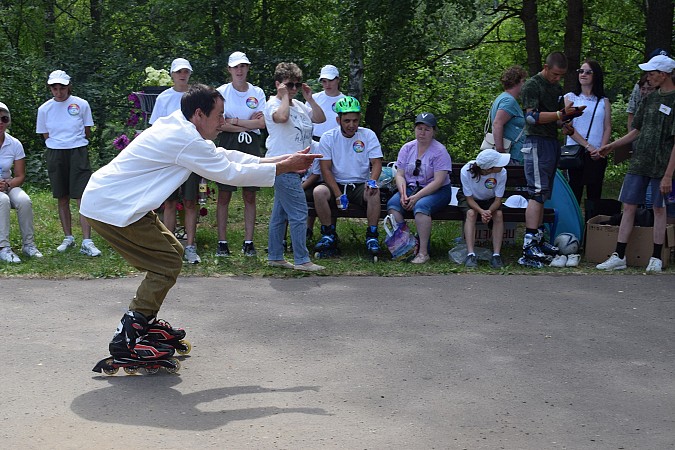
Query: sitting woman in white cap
{"points": [[423, 181], [483, 184], [11, 194]]}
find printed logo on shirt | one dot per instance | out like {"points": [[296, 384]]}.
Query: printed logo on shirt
{"points": [[490, 183], [74, 109], [252, 102], [333, 107], [358, 146]]}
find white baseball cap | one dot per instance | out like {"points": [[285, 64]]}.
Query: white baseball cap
{"points": [[237, 58], [662, 63], [4, 107], [487, 159], [180, 63], [329, 72], [59, 77]]}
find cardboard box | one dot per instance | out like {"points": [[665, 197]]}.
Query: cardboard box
{"points": [[601, 243], [484, 235]]}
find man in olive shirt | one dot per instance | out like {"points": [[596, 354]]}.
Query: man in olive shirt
{"points": [[545, 112]]}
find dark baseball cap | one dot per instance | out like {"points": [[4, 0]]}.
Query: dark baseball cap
{"points": [[426, 118]]}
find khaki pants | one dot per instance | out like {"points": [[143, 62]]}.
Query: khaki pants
{"points": [[148, 246]]}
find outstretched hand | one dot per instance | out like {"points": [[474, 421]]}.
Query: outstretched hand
{"points": [[297, 162]]}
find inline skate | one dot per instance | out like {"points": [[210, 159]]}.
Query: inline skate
{"points": [[161, 331], [533, 256], [131, 350], [372, 243], [327, 245]]}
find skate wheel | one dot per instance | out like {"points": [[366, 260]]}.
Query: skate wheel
{"points": [[151, 370], [185, 347], [176, 367], [131, 370], [375, 258], [110, 370], [317, 255]]}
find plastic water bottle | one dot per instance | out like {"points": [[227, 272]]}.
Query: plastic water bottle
{"points": [[203, 188]]}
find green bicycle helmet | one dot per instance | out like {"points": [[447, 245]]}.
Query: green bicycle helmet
{"points": [[347, 105]]}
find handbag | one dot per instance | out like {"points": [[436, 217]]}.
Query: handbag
{"points": [[489, 139], [572, 156], [402, 244]]}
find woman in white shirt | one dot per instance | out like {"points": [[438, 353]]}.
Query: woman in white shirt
{"points": [[289, 123], [11, 194], [590, 92]]}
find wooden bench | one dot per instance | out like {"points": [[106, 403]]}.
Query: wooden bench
{"points": [[515, 185]]}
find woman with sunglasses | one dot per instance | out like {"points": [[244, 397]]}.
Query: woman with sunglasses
{"points": [[12, 176], [423, 181], [592, 130], [289, 123]]}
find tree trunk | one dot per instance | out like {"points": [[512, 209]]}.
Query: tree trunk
{"points": [[659, 21], [217, 29], [573, 30], [529, 17], [50, 23], [375, 111]]}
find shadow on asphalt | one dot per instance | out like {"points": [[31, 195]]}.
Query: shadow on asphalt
{"points": [[152, 401]]}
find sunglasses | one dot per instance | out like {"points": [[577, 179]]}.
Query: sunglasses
{"points": [[4, 119], [587, 72], [291, 85], [418, 164]]}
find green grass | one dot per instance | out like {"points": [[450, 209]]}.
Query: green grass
{"points": [[353, 259]]}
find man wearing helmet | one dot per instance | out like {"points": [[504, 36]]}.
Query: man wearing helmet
{"points": [[349, 151]]}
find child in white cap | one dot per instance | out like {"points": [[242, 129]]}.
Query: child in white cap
{"points": [[65, 123], [483, 184]]}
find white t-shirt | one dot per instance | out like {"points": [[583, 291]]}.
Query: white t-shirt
{"points": [[156, 163], [65, 122], [242, 104], [167, 102], [291, 136], [582, 122], [11, 150], [350, 156], [327, 104], [486, 187]]}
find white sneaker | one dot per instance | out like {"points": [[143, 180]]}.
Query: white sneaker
{"points": [[613, 263], [7, 255], [573, 260], [68, 242], [559, 261], [654, 265], [31, 251], [88, 248], [190, 255]]}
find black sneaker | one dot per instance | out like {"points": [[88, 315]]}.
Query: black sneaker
{"points": [[248, 249], [471, 262], [496, 262], [223, 250]]}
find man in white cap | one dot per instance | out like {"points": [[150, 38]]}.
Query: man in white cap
{"points": [[330, 81], [65, 122], [653, 162], [167, 103]]}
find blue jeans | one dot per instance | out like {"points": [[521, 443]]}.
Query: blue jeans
{"points": [[290, 205], [427, 205]]}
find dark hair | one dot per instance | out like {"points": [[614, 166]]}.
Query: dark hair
{"points": [[643, 79], [557, 59], [598, 88], [475, 171], [199, 96], [286, 70], [512, 76]]}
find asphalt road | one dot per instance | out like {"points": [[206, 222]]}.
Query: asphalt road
{"points": [[445, 362]]}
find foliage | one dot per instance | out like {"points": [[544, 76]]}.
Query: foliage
{"points": [[154, 77]]}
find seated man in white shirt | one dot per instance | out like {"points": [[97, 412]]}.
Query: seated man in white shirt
{"points": [[120, 198], [348, 151]]}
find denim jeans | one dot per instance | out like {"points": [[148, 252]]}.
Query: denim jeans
{"points": [[290, 205], [427, 205]]}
